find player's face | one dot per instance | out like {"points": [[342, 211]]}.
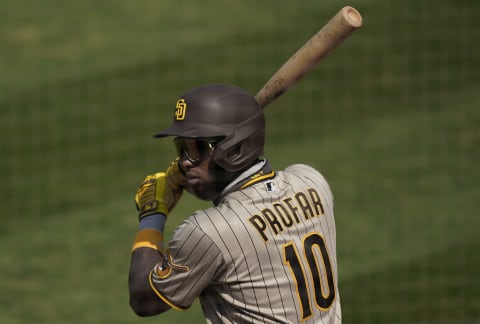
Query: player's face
{"points": [[195, 156]]}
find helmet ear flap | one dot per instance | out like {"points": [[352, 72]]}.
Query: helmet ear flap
{"points": [[235, 153], [237, 156]]}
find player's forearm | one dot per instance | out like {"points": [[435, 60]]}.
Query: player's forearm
{"points": [[143, 300], [147, 251]]}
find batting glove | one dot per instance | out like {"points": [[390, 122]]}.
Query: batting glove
{"points": [[160, 192]]}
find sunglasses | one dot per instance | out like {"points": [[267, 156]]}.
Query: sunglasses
{"points": [[195, 150]]}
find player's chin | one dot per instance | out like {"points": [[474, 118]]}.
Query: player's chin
{"points": [[203, 195], [203, 192]]}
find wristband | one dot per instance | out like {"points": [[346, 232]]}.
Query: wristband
{"points": [[150, 233], [149, 238], [154, 221]]}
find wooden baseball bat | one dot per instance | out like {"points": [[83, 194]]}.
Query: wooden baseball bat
{"points": [[342, 25]]}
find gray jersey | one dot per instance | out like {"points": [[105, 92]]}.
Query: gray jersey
{"points": [[266, 253]]}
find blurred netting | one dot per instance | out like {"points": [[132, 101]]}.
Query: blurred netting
{"points": [[391, 118]]}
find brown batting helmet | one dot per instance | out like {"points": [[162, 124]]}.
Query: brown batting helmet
{"points": [[226, 112]]}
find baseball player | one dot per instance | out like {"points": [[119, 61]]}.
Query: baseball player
{"points": [[265, 252]]}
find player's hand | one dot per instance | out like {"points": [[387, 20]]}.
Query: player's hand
{"points": [[160, 192]]}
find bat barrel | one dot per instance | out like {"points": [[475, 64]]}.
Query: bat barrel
{"points": [[334, 32], [352, 16]]}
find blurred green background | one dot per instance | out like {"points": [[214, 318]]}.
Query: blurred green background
{"points": [[391, 118]]}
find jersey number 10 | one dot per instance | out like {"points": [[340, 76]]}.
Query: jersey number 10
{"points": [[323, 298]]}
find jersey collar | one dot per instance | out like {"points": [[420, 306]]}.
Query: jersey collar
{"points": [[258, 172]]}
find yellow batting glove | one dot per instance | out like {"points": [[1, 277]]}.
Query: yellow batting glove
{"points": [[175, 177], [160, 192]]}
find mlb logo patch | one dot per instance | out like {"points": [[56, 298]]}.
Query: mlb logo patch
{"points": [[270, 186]]}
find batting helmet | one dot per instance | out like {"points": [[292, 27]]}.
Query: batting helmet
{"points": [[226, 112]]}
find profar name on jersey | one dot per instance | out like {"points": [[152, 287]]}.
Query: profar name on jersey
{"points": [[287, 212]]}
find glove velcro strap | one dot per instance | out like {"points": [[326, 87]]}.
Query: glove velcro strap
{"points": [[150, 238]]}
